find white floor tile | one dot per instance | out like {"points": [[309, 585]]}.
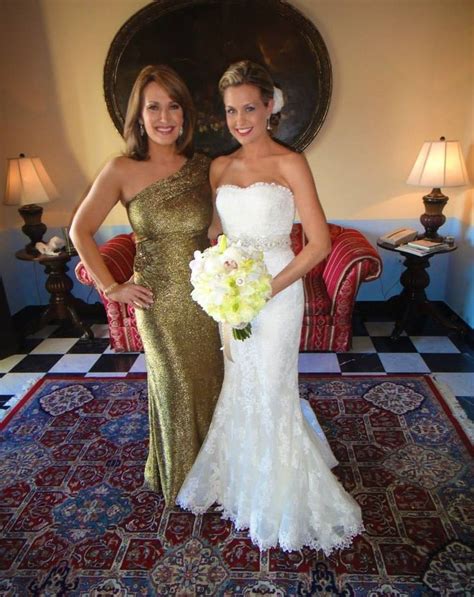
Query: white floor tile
{"points": [[461, 384], [18, 383], [54, 346], [380, 328], [403, 362], [362, 344], [139, 366], [436, 344], [74, 363], [324, 362], [8, 363]]}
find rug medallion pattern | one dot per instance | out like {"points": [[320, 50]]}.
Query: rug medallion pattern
{"points": [[77, 519]]}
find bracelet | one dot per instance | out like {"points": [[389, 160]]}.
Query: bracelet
{"points": [[110, 288]]}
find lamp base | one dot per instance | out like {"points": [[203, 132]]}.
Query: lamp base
{"points": [[433, 217], [34, 227]]}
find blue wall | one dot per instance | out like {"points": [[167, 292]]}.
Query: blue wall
{"points": [[451, 275], [460, 273]]}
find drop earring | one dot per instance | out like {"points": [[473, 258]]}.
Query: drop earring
{"points": [[269, 126], [142, 128], [181, 131]]}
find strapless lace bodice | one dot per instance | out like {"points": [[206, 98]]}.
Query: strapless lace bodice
{"points": [[262, 212]]}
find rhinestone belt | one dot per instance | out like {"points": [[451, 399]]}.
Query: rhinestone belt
{"points": [[262, 243]]}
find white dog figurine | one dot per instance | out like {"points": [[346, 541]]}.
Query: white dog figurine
{"points": [[54, 246]]}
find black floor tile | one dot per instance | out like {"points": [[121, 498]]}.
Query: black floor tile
{"points": [[373, 311], [467, 402], [378, 316], [4, 398], [67, 331], [86, 346], [426, 326], [358, 327], [114, 362], [462, 344], [28, 344], [449, 363], [384, 344], [358, 362], [36, 363]]}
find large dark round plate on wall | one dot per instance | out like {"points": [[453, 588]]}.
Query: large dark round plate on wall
{"points": [[200, 38]]}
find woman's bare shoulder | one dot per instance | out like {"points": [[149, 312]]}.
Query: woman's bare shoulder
{"points": [[221, 161], [219, 165], [120, 168], [291, 160], [122, 163]]}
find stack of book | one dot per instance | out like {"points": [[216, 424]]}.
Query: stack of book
{"points": [[423, 246]]}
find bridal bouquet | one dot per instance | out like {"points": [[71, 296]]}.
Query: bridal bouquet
{"points": [[231, 283]]}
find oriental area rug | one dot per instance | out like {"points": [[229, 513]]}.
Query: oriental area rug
{"points": [[76, 519]]}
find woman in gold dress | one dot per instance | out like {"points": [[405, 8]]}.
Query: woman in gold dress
{"points": [[166, 192]]}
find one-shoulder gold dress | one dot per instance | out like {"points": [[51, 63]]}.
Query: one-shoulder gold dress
{"points": [[182, 348]]}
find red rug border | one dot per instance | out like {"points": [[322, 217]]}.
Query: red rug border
{"points": [[302, 376], [21, 403]]}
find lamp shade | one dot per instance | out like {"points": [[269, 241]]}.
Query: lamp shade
{"points": [[439, 164], [28, 182]]}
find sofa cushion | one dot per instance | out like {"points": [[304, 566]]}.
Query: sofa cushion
{"points": [[118, 254]]}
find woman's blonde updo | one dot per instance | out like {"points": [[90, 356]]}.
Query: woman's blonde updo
{"points": [[246, 72]]}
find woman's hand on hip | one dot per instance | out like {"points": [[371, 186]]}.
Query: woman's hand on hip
{"points": [[133, 294]]}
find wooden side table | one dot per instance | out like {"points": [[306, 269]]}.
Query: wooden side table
{"points": [[62, 304], [413, 300]]}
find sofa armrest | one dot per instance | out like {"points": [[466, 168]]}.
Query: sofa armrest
{"points": [[118, 254], [352, 256]]}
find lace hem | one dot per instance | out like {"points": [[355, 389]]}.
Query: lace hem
{"points": [[313, 543]]}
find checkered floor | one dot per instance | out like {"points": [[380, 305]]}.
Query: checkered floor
{"points": [[58, 350]]}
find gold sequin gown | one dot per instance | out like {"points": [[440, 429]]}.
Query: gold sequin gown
{"points": [[182, 348]]}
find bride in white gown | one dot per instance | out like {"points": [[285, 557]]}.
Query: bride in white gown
{"points": [[264, 462]]}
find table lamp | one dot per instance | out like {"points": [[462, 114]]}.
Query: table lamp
{"points": [[439, 164], [27, 185]]}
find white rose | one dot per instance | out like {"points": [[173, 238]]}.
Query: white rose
{"points": [[212, 265]]}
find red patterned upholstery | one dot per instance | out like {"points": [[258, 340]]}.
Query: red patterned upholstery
{"points": [[330, 289], [118, 254]]}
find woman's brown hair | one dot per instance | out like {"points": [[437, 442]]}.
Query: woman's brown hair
{"points": [[166, 77]]}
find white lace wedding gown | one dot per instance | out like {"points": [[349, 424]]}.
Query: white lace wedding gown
{"points": [[265, 463]]}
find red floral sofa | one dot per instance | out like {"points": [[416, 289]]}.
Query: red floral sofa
{"points": [[330, 289]]}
